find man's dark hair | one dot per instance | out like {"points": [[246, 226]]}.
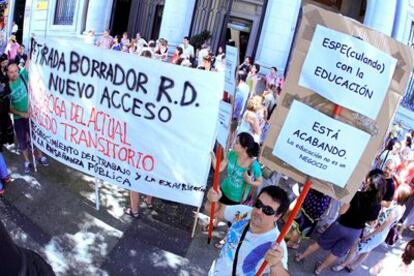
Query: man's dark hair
{"points": [[12, 63], [278, 195], [375, 172], [146, 53], [187, 38], [242, 76], [257, 67]]}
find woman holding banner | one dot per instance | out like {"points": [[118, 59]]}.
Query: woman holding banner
{"points": [[243, 171], [342, 234]]}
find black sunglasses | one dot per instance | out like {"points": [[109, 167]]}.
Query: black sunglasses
{"points": [[267, 210]]}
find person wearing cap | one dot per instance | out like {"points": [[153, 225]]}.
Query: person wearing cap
{"points": [[12, 48]]}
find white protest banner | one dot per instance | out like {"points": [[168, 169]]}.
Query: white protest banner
{"points": [[232, 59], [224, 121], [347, 71], [138, 123], [320, 146]]}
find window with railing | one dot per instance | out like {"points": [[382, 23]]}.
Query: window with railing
{"points": [[64, 12], [408, 99]]}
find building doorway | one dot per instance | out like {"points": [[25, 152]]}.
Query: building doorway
{"points": [[18, 17], [156, 26], [120, 17], [238, 33]]}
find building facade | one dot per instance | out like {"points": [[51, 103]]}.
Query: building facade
{"points": [[263, 29]]}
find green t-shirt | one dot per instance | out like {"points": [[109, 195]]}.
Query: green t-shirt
{"points": [[233, 185], [19, 95]]}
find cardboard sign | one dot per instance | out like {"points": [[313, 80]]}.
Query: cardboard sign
{"points": [[347, 71], [138, 123], [224, 121], [232, 59], [320, 146], [312, 17]]}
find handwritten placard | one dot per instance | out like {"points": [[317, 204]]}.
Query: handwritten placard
{"points": [[232, 59], [347, 71], [138, 123], [224, 121], [320, 146]]}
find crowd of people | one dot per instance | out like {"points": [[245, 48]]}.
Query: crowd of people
{"points": [[379, 212], [183, 54]]}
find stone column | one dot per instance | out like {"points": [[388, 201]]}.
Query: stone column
{"points": [[401, 21], [380, 15], [277, 34], [176, 20], [98, 15]]}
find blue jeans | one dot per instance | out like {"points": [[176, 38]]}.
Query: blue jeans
{"points": [[3, 167]]}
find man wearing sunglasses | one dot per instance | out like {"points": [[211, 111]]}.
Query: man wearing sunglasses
{"points": [[250, 239]]}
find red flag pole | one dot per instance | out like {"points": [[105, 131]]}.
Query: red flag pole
{"points": [[307, 186], [219, 153], [337, 111]]}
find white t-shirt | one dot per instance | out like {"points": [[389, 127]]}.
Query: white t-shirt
{"points": [[252, 250], [141, 42], [201, 54], [188, 52]]}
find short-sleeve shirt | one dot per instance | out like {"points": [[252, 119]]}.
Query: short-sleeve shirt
{"points": [[234, 184], [242, 94], [19, 95], [361, 211], [105, 42], [252, 250], [188, 51]]}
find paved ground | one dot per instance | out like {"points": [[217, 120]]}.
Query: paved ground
{"points": [[53, 213]]}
